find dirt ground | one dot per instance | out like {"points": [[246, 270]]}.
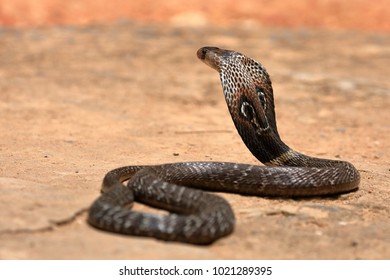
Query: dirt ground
{"points": [[76, 102]]}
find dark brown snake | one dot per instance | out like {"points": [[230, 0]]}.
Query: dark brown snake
{"points": [[199, 217]]}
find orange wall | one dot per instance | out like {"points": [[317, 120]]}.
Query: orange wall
{"points": [[347, 14]]}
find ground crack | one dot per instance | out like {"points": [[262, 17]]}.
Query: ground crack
{"points": [[52, 224]]}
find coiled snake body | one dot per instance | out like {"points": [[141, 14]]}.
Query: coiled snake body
{"points": [[200, 217]]}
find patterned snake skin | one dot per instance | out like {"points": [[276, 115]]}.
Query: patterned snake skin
{"points": [[199, 217]]}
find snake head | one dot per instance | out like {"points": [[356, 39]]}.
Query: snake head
{"points": [[213, 56]]}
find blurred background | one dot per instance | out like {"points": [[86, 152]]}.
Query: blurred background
{"points": [[366, 15]]}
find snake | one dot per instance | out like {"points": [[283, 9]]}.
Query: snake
{"points": [[192, 212]]}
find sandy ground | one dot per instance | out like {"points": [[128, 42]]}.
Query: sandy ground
{"points": [[76, 102]]}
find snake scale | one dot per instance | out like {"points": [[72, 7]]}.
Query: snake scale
{"points": [[199, 217]]}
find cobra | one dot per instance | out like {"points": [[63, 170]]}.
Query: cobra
{"points": [[199, 217]]}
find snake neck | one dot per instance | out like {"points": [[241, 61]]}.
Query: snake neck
{"points": [[248, 91], [267, 146], [269, 149]]}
